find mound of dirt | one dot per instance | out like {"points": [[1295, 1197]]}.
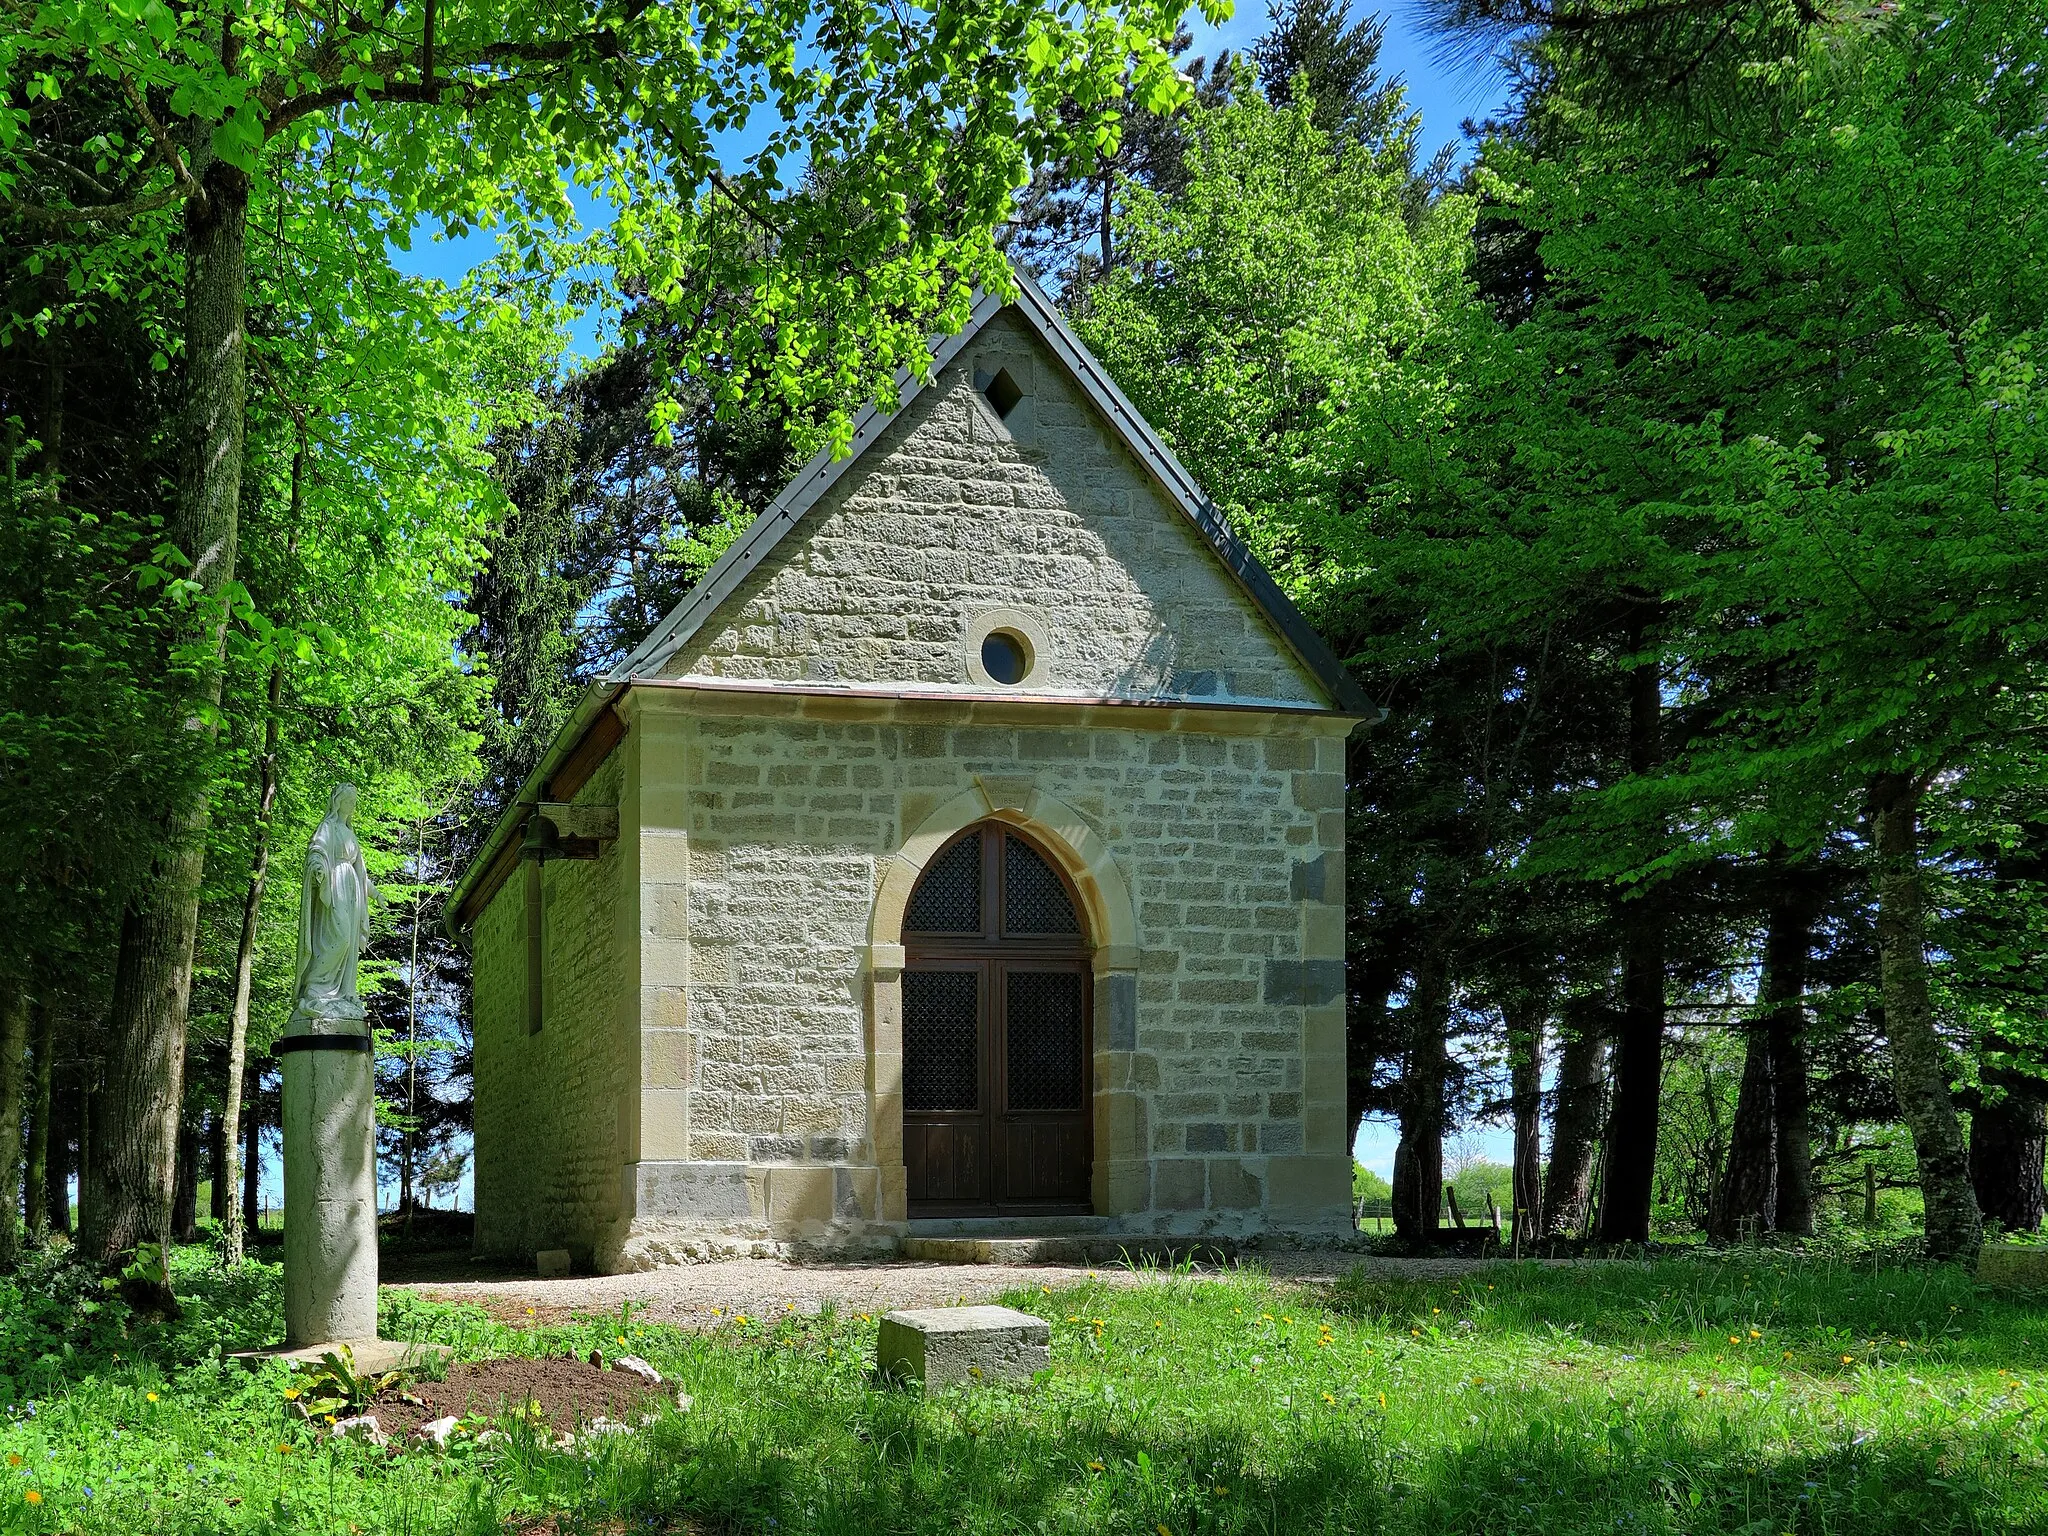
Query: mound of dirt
{"points": [[570, 1392]]}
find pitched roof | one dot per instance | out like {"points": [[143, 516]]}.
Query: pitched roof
{"points": [[824, 471], [819, 476]]}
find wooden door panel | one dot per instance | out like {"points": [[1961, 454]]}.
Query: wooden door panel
{"points": [[1045, 1160], [946, 1161], [996, 1033], [1042, 1109], [946, 1095]]}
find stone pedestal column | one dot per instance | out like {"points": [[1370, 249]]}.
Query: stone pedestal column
{"points": [[330, 1187]]}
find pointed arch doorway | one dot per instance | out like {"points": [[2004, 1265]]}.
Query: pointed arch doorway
{"points": [[996, 1033]]}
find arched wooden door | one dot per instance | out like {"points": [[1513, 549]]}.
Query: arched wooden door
{"points": [[995, 1033]]}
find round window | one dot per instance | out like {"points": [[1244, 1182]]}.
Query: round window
{"points": [[1005, 656]]}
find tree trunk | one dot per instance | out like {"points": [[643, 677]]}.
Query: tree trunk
{"points": [[1788, 948], [252, 907], [219, 1153], [42, 1099], [259, 869], [1920, 1065], [1419, 1156], [2008, 1134], [252, 1166], [1524, 1017], [1743, 1195], [13, 1048], [85, 1092], [1574, 1133], [1639, 1046], [129, 1175], [62, 1127], [1365, 1029], [185, 1201]]}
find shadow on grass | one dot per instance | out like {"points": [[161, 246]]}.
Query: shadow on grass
{"points": [[903, 1470], [1818, 1307]]}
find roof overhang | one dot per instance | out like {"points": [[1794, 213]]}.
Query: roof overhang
{"points": [[1348, 701]]}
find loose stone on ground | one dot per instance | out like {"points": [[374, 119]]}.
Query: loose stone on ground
{"points": [[946, 1346]]}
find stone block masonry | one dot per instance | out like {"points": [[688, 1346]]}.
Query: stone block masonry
{"points": [[720, 1067], [962, 1346]]}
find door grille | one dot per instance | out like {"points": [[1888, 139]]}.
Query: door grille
{"points": [[941, 1040], [1044, 1030]]}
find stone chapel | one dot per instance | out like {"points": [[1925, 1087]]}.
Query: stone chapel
{"points": [[964, 855]]}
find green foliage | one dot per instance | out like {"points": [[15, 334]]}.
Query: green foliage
{"points": [[1367, 1185], [336, 1386], [1617, 1396]]}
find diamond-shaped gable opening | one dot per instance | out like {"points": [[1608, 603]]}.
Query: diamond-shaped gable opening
{"points": [[1001, 391]]}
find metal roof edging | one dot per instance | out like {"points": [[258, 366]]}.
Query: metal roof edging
{"points": [[824, 471]]}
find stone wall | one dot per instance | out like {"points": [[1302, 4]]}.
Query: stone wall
{"points": [[953, 514], [734, 1075], [1219, 1063], [550, 1135]]}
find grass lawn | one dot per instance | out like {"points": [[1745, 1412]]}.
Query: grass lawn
{"points": [[1755, 1394]]}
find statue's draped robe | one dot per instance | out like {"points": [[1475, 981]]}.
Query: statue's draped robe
{"points": [[334, 915]]}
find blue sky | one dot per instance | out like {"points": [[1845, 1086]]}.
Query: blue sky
{"points": [[1445, 98]]}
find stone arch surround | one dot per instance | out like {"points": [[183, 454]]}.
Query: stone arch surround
{"points": [[1112, 922]]}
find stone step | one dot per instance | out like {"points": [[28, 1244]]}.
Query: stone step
{"points": [[1101, 1248], [1009, 1226]]}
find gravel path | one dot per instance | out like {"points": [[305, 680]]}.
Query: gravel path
{"points": [[691, 1295]]}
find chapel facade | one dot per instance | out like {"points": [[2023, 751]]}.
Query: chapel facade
{"points": [[965, 853]]}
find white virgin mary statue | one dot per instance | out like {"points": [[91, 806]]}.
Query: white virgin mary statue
{"points": [[334, 916]]}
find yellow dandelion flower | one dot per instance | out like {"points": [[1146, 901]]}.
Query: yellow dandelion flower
{"points": [[1383, 1399], [1045, 1290], [1733, 1340], [622, 1338], [1848, 1359], [1436, 1309], [1755, 1334], [1096, 1466], [1329, 1398], [529, 1311], [1788, 1354], [1073, 1317], [1414, 1333], [1099, 1322], [290, 1393], [1221, 1490], [1699, 1391], [149, 1397], [1162, 1530], [14, 1458], [33, 1497], [283, 1449], [1156, 1323], [1288, 1320]]}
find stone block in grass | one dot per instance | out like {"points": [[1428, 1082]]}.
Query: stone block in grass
{"points": [[942, 1346], [2023, 1265]]}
